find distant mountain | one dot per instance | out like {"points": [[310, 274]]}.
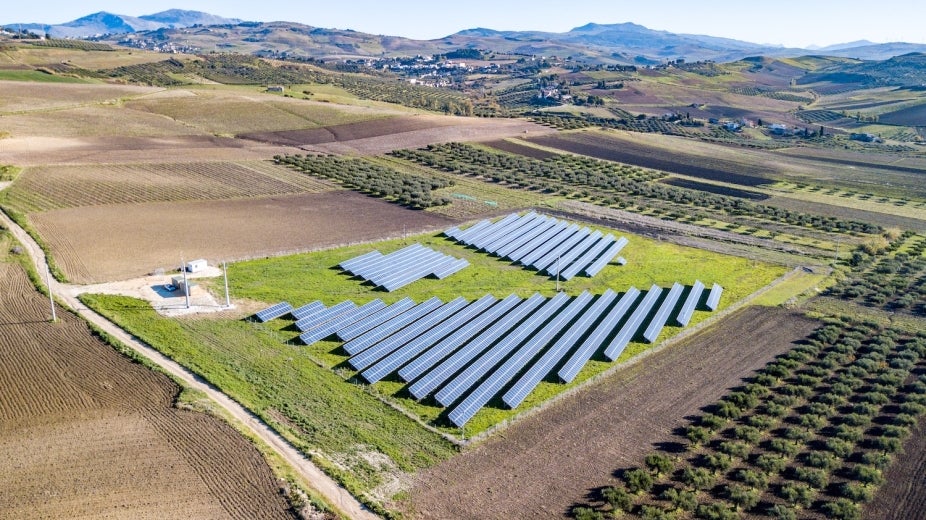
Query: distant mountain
{"points": [[101, 23]]}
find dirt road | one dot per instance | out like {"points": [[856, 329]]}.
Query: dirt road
{"points": [[333, 493]]}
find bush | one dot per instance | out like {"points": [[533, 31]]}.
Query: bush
{"points": [[842, 509], [754, 479], [715, 511], [649, 512], [659, 463], [848, 433], [718, 462], [783, 446], [887, 444], [771, 464], [638, 481], [816, 477], [781, 512], [728, 410], [904, 419], [743, 497], [878, 460], [821, 459], [618, 498], [682, 499], [797, 493], [856, 492], [761, 421], [748, 434], [867, 474], [586, 513], [698, 434], [698, 478], [797, 434], [712, 422]]}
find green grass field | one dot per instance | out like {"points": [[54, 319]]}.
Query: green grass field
{"points": [[34, 75]]}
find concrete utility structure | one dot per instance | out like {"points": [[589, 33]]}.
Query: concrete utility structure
{"points": [[195, 266], [183, 288]]}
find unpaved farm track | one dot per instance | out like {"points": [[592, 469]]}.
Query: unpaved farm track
{"points": [[543, 465], [84, 432]]}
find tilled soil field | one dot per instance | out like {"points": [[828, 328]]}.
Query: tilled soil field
{"points": [[903, 494], [86, 433], [543, 465], [627, 152], [119, 241]]}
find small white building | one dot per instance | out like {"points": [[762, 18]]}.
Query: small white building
{"points": [[195, 266]]}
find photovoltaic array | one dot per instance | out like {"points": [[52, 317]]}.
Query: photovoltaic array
{"points": [[402, 267], [546, 244], [465, 354]]}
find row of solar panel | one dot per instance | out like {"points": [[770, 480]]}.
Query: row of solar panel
{"points": [[477, 349], [549, 245], [402, 267]]}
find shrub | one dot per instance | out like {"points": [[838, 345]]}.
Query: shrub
{"points": [[781, 512], [748, 434], [895, 431], [718, 462], [820, 459], [698, 434], [816, 477], [877, 460], [797, 493], [715, 511], [774, 409], [867, 474], [649, 512], [729, 410], [698, 478], [848, 433], [761, 421], [771, 464], [712, 422], [856, 492], [842, 509], [904, 419], [797, 434], [754, 479], [743, 497], [618, 498], [783, 446], [856, 419], [659, 463], [586, 513], [735, 448], [682, 499], [638, 480], [812, 421]]}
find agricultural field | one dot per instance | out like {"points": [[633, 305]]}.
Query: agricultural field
{"points": [[243, 358], [143, 237], [101, 434]]}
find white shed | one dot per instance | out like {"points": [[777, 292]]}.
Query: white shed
{"points": [[195, 266]]}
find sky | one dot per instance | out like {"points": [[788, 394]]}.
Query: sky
{"points": [[792, 23]]}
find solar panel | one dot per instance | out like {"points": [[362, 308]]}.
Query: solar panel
{"points": [[587, 257], [356, 329], [274, 311], [452, 232], [451, 268], [520, 254], [538, 226], [463, 235], [550, 243], [492, 384], [423, 267], [662, 314], [553, 256], [691, 301], [325, 315], [416, 339], [567, 257], [390, 262], [713, 298], [308, 310], [606, 257], [594, 340], [527, 223], [447, 345], [346, 265], [473, 348], [331, 326], [385, 328], [633, 323], [539, 370], [475, 238], [500, 230]]}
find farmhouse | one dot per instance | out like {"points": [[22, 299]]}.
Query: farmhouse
{"points": [[276, 88]]}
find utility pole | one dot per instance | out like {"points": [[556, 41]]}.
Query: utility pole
{"points": [[186, 287], [225, 273], [51, 299]]}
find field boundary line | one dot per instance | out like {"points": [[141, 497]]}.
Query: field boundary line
{"points": [[687, 333], [334, 493]]}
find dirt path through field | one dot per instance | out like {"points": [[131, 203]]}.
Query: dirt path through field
{"points": [[543, 465], [333, 493]]}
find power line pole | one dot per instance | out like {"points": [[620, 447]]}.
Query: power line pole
{"points": [[186, 287], [225, 273], [51, 299]]}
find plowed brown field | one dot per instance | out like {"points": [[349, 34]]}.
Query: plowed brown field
{"points": [[119, 241], [543, 465], [903, 495], [86, 433]]}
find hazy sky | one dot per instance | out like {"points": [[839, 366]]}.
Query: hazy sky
{"points": [[794, 23]]}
